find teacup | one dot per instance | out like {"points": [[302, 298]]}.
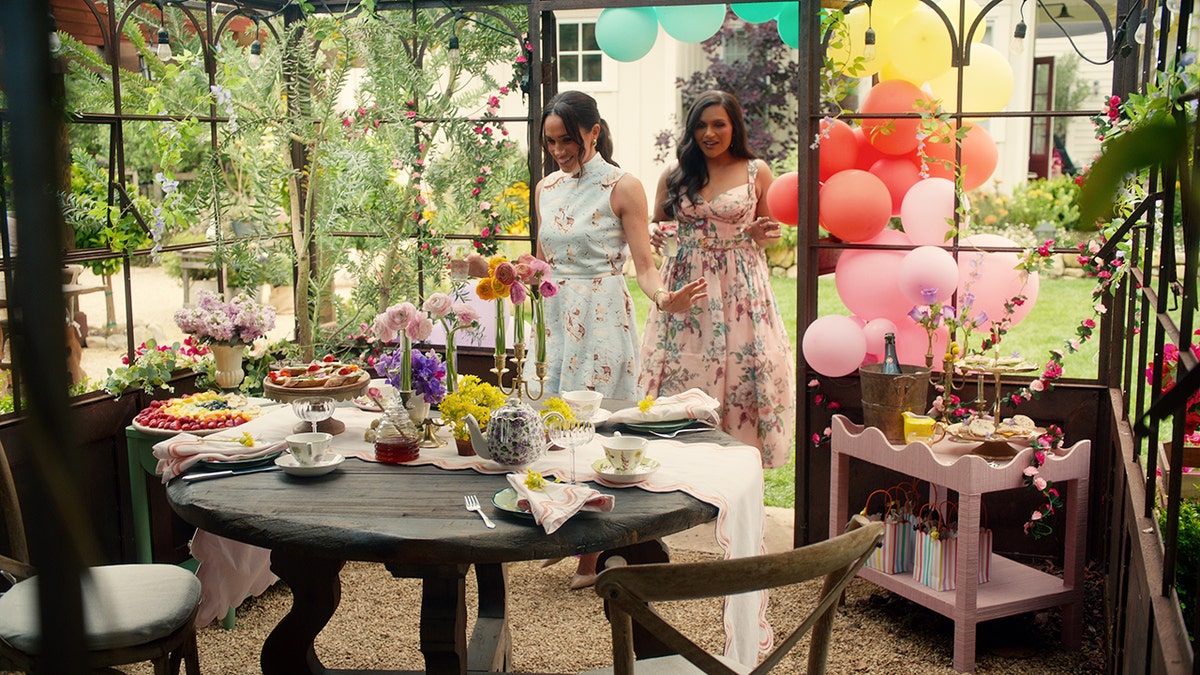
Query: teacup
{"points": [[308, 448], [584, 403], [625, 453]]}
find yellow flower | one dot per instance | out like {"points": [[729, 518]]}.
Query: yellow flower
{"points": [[646, 404], [534, 481], [494, 262], [559, 406], [246, 439], [484, 289]]}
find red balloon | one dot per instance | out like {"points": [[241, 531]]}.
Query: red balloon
{"points": [[839, 148], [979, 157], [891, 135], [783, 198], [867, 154], [854, 205], [898, 173]]}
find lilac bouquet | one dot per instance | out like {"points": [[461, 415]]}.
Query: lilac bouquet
{"points": [[237, 322]]}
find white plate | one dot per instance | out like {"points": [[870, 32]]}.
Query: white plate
{"points": [[505, 501], [329, 462], [609, 475], [364, 402]]}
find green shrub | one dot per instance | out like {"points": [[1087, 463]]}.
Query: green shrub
{"points": [[1187, 561], [1053, 200]]}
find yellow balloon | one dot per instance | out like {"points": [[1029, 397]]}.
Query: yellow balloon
{"points": [[924, 46], [971, 11], [888, 12], [987, 82], [848, 44], [889, 72]]}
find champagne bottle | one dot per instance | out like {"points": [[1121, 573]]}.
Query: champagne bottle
{"points": [[891, 364]]}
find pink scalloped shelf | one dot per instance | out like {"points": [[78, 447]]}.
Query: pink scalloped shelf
{"points": [[1013, 588]]}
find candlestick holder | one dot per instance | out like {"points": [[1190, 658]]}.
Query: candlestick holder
{"points": [[429, 437], [520, 386], [943, 381]]}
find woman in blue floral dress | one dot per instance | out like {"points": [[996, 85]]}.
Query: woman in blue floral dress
{"points": [[734, 345]]}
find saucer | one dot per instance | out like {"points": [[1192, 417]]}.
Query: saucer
{"points": [[505, 501], [609, 475], [601, 416], [329, 462]]}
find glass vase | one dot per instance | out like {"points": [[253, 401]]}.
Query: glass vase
{"points": [[228, 360]]}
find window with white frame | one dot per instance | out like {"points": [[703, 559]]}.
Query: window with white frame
{"points": [[579, 57]]}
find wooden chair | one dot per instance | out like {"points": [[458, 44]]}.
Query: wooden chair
{"points": [[629, 591], [132, 613]]}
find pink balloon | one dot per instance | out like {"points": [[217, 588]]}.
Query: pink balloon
{"points": [[898, 174], [834, 345], [912, 343], [928, 274], [874, 331], [854, 205], [839, 148], [996, 279], [866, 279], [927, 212]]}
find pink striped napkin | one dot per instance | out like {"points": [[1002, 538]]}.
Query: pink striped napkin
{"points": [[552, 504], [178, 453]]}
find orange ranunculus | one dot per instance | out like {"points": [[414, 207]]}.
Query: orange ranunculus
{"points": [[484, 289], [499, 289]]}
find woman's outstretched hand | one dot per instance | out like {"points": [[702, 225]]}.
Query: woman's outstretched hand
{"points": [[683, 299], [764, 231]]}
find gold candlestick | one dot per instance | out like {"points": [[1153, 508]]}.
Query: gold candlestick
{"points": [[520, 386]]}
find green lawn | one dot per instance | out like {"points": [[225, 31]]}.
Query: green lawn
{"points": [[1061, 305]]}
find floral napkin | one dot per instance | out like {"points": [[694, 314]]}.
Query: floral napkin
{"points": [[178, 453], [692, 404], [552, 504]]}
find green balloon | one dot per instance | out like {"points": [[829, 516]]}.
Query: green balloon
{"points": [[788, 25], [627, 33], [691, 23], [757, 12]]}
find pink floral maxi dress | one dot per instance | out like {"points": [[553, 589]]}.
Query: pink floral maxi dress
{"points": [[732, 345], [593, 339]]}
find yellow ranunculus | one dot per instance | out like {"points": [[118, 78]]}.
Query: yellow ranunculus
{"points": [[484, 289]]}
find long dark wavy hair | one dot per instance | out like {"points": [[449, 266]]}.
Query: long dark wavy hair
{"points": [[578, 111], [691, 173]]}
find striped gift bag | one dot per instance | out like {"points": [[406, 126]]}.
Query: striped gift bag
{"points": [[936, 561], [895, 553]]}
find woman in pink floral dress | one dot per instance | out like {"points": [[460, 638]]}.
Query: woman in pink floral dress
{"points": [[733, 345]]}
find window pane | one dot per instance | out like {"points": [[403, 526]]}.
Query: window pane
{"points": [[568, 68], [592, 71], [589, 38], [568, 37]]}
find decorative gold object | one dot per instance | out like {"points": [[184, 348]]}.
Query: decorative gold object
{"points": [[520, 386], [429, 437]]}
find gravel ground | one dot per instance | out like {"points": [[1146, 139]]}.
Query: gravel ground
{"points": [[560, 631]]}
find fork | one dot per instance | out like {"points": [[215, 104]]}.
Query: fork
{"points": [[473, 505], [673, 434]]}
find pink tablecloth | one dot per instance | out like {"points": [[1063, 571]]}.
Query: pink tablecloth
{"points": [[728, 477]]}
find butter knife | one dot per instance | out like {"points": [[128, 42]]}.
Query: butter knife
{"points": [[192, 477]]}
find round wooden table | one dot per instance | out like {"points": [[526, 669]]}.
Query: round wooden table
{"points": [[413, 520]]}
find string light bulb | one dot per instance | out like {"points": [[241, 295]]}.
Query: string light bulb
{"points": [[869, 44], [55, 41], [255, 58], [1139, 33], [1017, 44], [164, 38]]}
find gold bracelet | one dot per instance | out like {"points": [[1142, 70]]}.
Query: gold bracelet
{"points": [[657, 302]]}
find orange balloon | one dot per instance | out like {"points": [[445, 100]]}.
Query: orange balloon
{"points": [[854, 205], [838, 149], [894, 136], [979, 156], [783, 198], [898, 173]]}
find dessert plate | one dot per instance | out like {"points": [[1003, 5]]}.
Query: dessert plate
{"points": [[608, 474], [505, 501], [235, 464], [327, 463], [662, 427]]}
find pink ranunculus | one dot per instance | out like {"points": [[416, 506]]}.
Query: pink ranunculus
{"points": [[540, 266], [524, 273], [383, 329], [420, 328], [1037, 385], [517, 293], [548, 289], [1030, 471], [438, 305], [506, 273], [525, 258], [401, 314], [465, 313]]}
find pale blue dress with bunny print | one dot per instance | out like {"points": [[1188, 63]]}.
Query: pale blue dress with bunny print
{"points": [[593, 341]]}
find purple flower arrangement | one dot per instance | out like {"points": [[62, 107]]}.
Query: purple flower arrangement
{"points": [[428, 373], [239, 321]]}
